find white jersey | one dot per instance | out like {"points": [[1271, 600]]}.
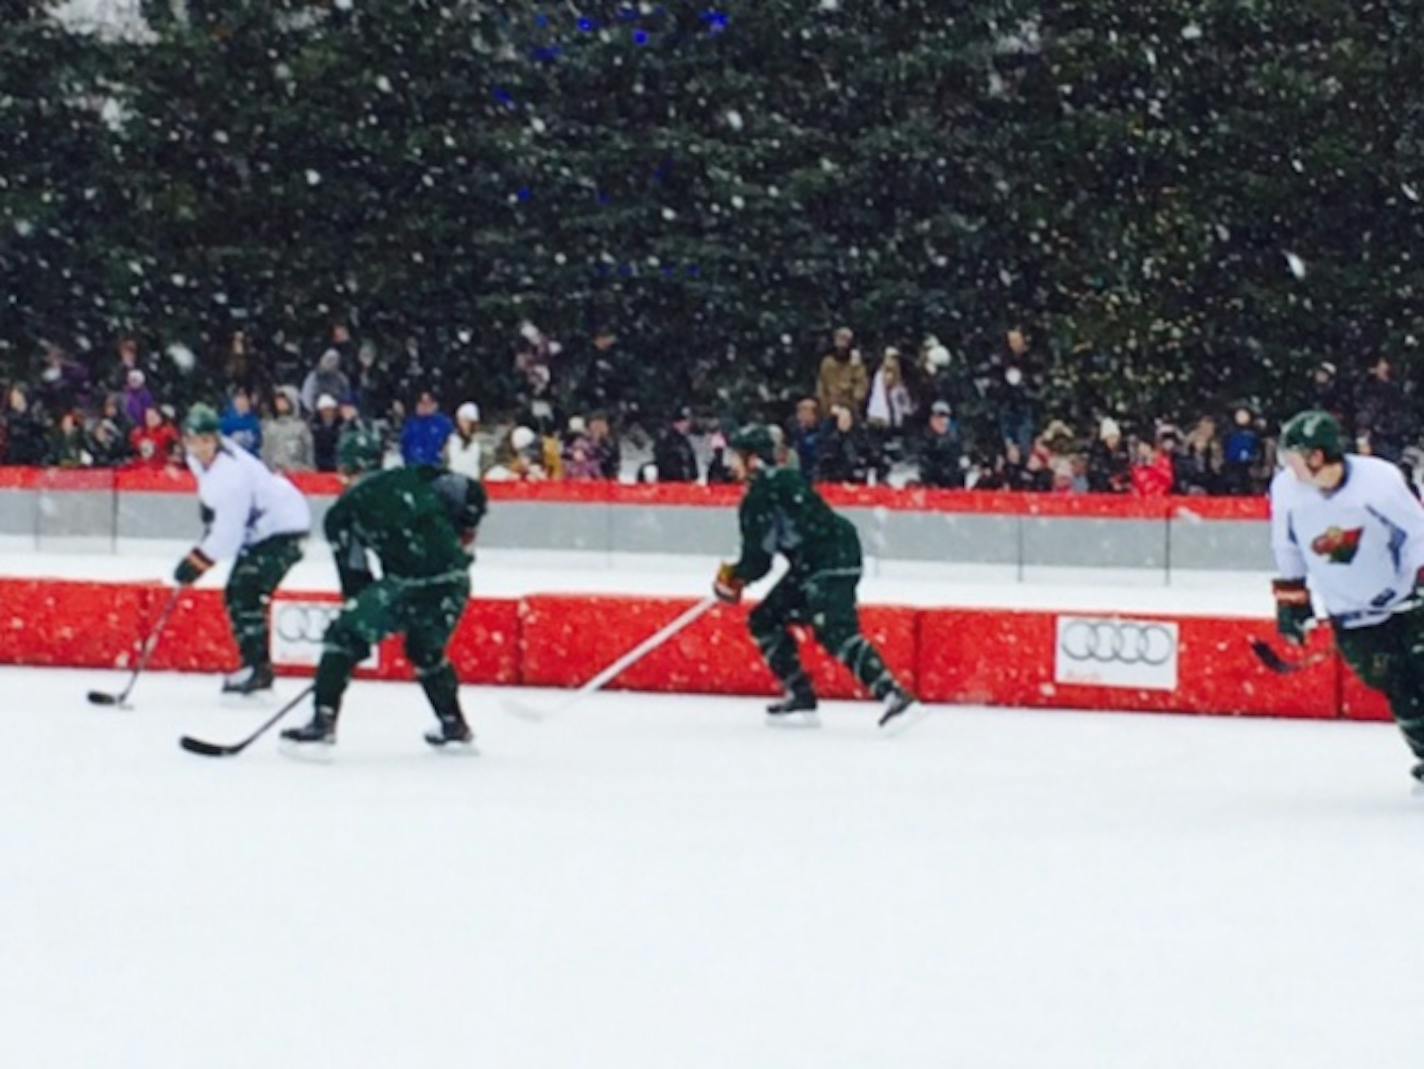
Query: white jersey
{"points": [[1360, 547], [249, 502]]}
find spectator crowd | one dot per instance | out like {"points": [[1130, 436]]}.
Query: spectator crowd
{"points": [[907, 418]]}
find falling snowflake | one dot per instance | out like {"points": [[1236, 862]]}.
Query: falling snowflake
{"points": [[1296, 264], [313, 177], [734, 119], [1191, 32], [383, 83]]}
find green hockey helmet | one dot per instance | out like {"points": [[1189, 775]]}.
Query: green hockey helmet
{"points": [[1310, 430], [359, 449], [201, 419], [756, 440]]}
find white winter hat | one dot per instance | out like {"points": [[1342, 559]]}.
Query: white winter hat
{"points": [[469, 410], [326, 401], [521, 438], [1109, 428]]}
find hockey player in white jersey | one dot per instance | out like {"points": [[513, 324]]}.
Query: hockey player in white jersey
{"points": [[253, 515], [1350, 526]]}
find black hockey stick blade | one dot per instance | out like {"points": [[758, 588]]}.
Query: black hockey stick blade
{"points": [[212, 749], [208, 749], [1267, 655], [99, 697]]}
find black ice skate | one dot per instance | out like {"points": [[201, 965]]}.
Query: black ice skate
{"points": [[249, 679], [902, 712], [1418, 773], [796, 710], [321, 728], [453, 729]]}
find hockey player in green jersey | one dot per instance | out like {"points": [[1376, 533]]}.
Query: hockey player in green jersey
{"points": [[418, 523], [781, 513]]}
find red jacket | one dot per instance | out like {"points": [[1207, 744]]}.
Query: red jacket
{"points": [[1155, 479], [153, 448]]}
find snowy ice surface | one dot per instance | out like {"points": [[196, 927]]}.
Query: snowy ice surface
{"points": [[662, 881], [514, 573]]}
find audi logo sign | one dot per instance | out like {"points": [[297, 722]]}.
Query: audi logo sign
{"points": [[1114, 652], [297, 631]]}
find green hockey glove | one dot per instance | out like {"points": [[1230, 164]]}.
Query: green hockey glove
{"points": [[1293, 612]]}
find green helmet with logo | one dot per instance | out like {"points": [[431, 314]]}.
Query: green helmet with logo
{"points": [[756, 440], [201, 419], [1311, 430], [359, 449]]}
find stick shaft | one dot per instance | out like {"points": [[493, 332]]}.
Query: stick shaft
{"points": [[151, 642], [638, 652]]}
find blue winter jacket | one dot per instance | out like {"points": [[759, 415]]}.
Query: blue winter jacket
{"points": [[246, 430], [423, 440]]}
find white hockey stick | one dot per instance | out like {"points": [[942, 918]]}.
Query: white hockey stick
{"points": [[617, 668]]}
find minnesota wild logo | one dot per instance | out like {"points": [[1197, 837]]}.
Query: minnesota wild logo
{"points": [[1338, 544]]}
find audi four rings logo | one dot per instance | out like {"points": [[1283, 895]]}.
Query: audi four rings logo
{"points": [[304, 623], [1120, 641]]}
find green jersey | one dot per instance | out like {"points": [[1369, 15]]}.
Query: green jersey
{"points": [[407, 518], [781, 513]]}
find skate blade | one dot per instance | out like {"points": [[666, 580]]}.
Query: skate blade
{"points": [[231, 699], [806, 720], [307, 753], [898, 725], [455, 749]]}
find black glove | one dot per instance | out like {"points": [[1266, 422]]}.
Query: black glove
{"points": [[1293, 611], [191, 567]]}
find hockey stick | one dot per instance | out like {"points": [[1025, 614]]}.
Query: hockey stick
{"points": [[99, 697], [637, 653], [1268, 656], [212, 749]]}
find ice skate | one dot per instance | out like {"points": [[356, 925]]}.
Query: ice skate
{"points": [[320, 729], [796, 710], [902, 712], [453, 733], [248, 680]]}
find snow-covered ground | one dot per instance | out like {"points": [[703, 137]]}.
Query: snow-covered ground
{"points": [[661, 881]]}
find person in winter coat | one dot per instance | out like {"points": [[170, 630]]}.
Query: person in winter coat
{"points": [[241, 424], [424, 435], [1153, 474], [466, 449], [154, 442], [24, 431], [286, 439], [326, 378], [1200, 460], [1382, 413], [64, 383], [579, 458], [326, 433], [67, 444], [1242, 453], [845, 454], [805, 436], [842, 379], [108, 446], [673, 454], [138, 399], [605, 446], [940, 451], [890, 406], [1109, 466]]}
